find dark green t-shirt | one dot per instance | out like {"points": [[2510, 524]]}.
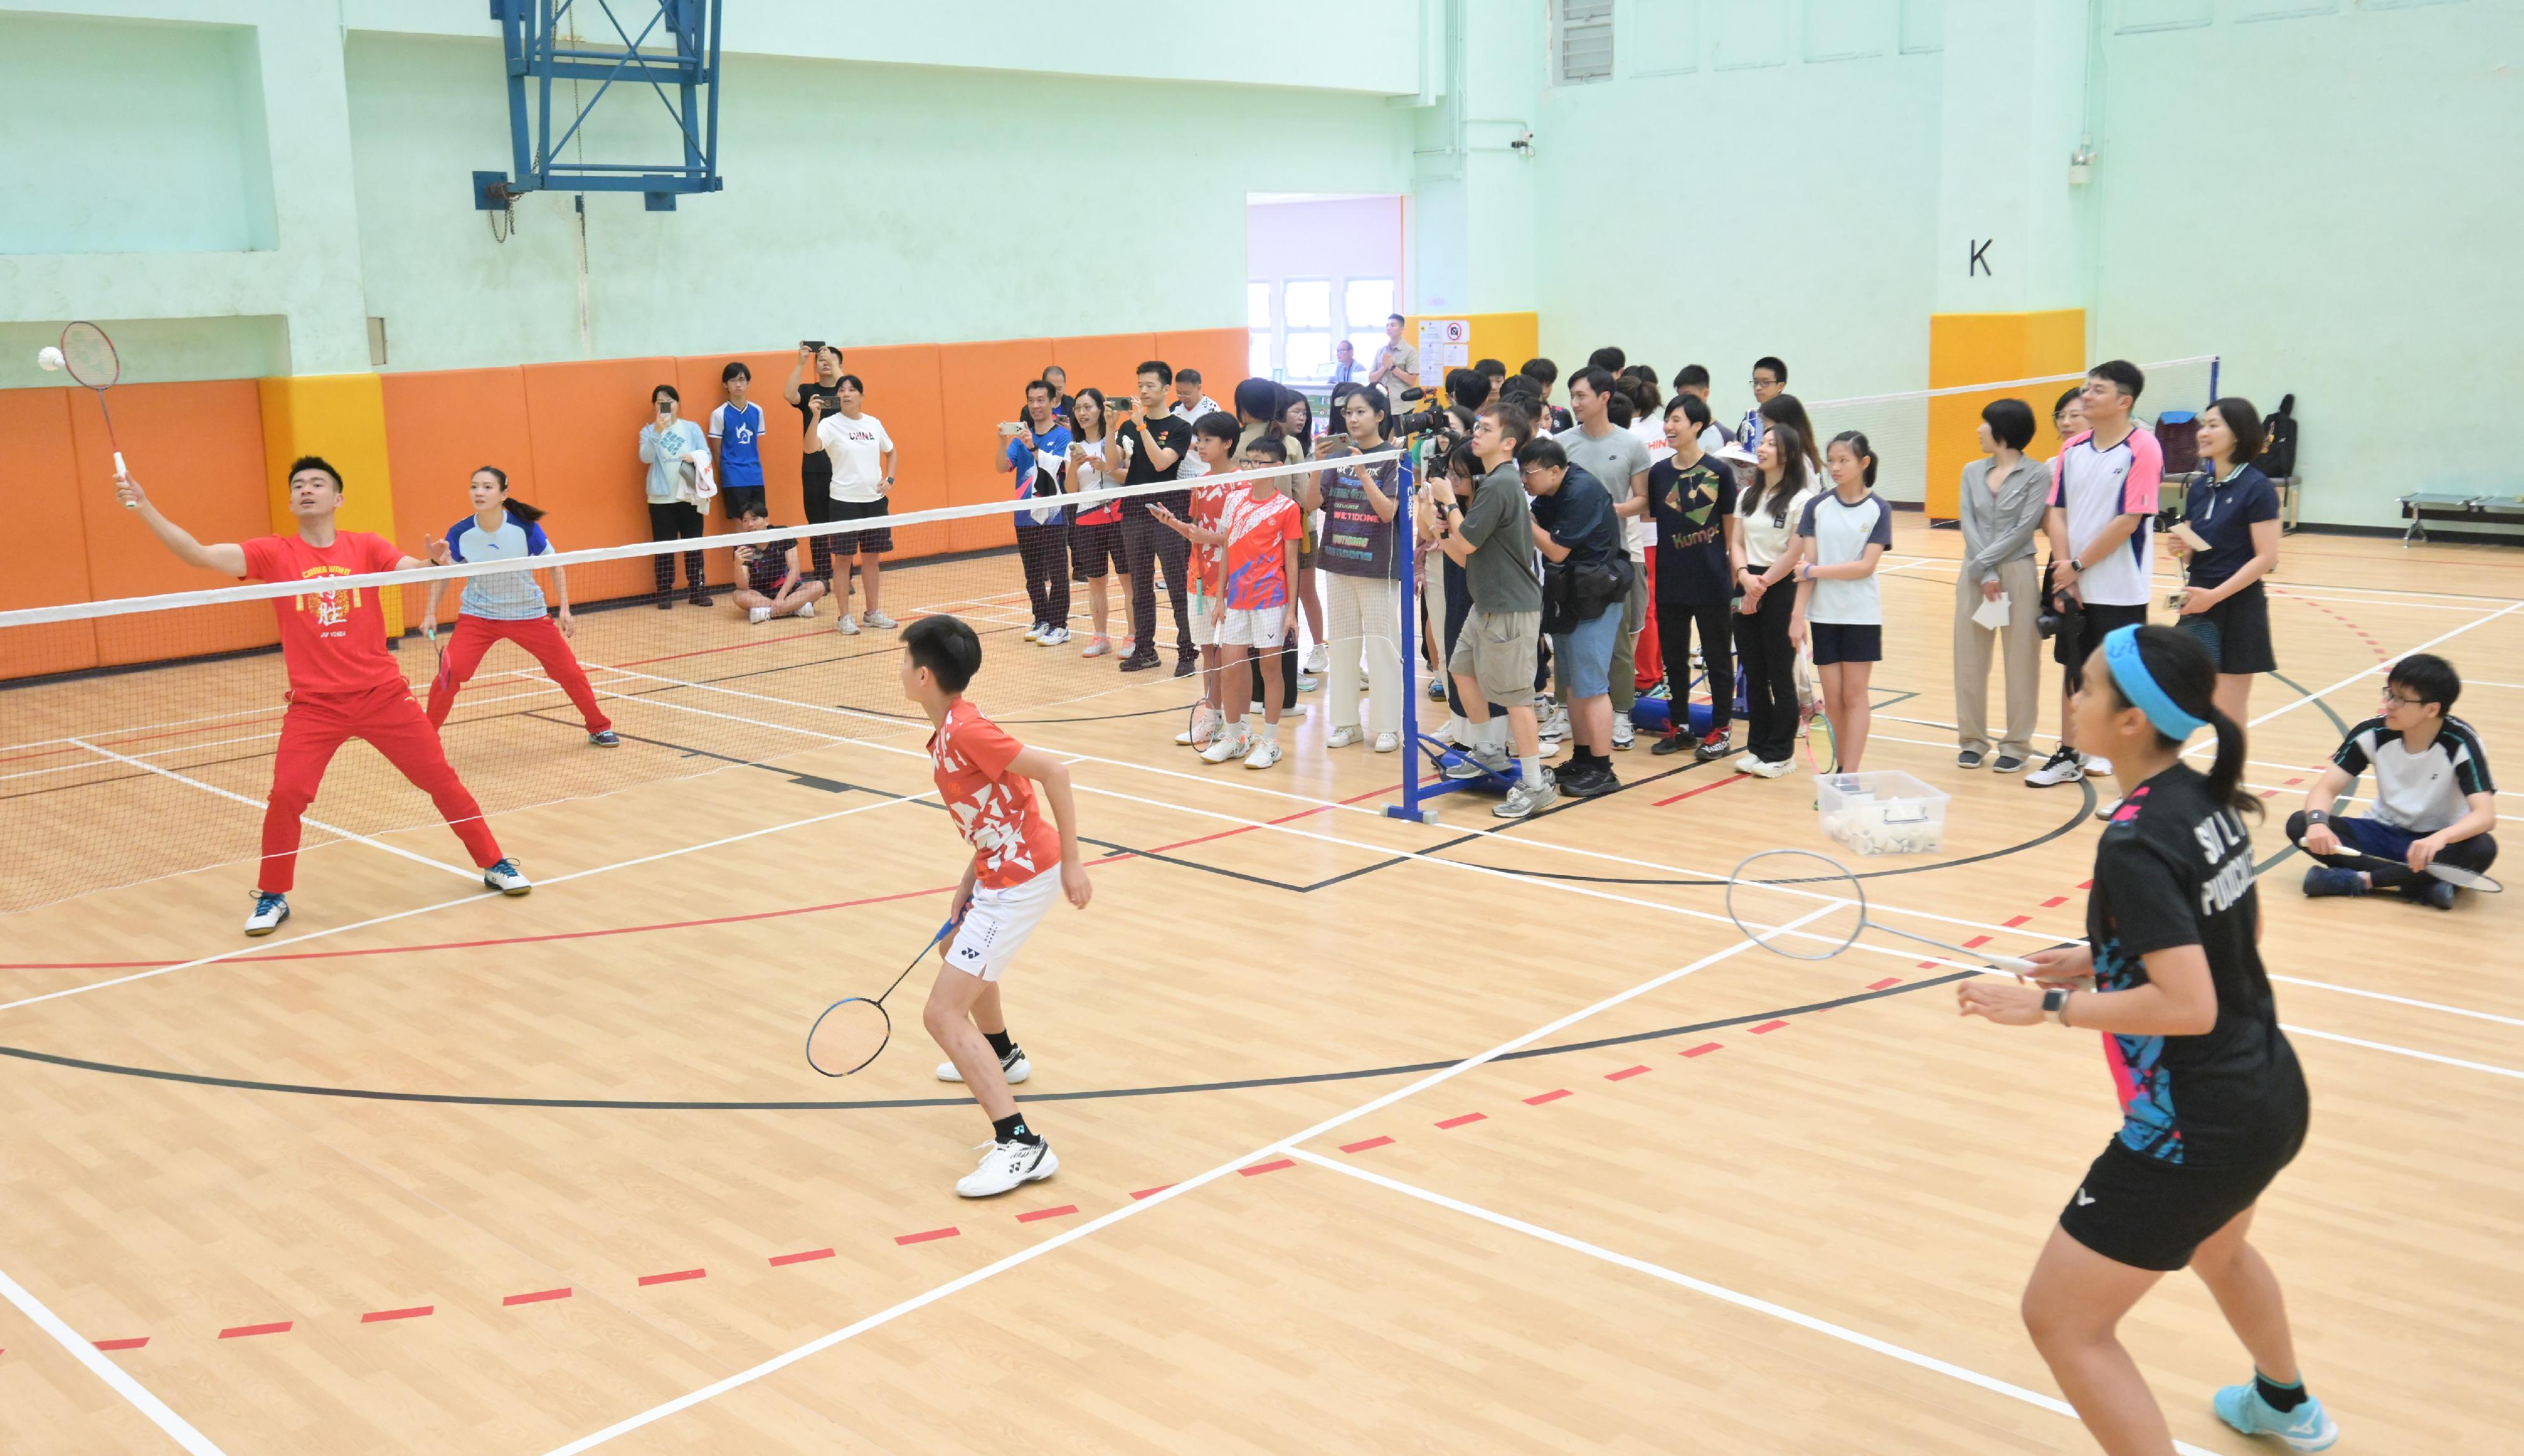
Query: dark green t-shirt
{"points": [[1499, 525]]}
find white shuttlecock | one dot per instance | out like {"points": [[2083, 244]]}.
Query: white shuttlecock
{"points": [[48, 358]]}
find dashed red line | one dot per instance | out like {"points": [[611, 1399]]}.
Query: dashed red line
{"points": [[1469, 1117], [1273, 1166], [1768, 1027], [2018, 920], [537, 1298], [1703, 1049], [1625, 1073], [2055, 902], [1975, 942], [927, 1236], [122, 1344], [2085, 884], [241, 1331], [1887, 982], [1039, 1214], [1150, 1192], [380, 1316], [1364, 1146], [782, 1260], [1553, 1096], [1931, 965], [677, 1276]]}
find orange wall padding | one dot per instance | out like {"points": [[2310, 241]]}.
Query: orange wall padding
{"points": [[566, 433]]}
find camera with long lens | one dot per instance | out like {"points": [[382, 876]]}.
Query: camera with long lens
{"points": [[1420, 422]]}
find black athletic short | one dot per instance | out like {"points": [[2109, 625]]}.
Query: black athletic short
{"points": [[2236, 632], [1094, 549], [879, 540], [1846, 642], [2094, 621], [737, 499], [2136, 1210]]}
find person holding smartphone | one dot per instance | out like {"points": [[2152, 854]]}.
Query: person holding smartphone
{"points": [[667, 443], [817, 376]]}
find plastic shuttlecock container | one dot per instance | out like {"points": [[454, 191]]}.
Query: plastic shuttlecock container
{"points": [[48, 358], [1881, 811]]}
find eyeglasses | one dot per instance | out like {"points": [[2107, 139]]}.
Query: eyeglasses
{"points": [[1759, 383], [2398, 701]]}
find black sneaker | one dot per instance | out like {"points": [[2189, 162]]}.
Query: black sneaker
{"points": [[1187, 664], [2006, 763], [1715, 747], [2065, 767], [1597, 781], [2430, 892], [1968, 758], [1671, 742], [1139, 661]]}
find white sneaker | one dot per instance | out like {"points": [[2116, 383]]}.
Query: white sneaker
{"points": [[1523, 800], [269, 911], [2061, 768], [1453, 732], [2103, 815], [846, 626], [1055, 637], [1778, 769], [2098, 767], [1099, 647], [1014, 1064], [1386, 743], [1129, 644], [1035, 632], [1266, 753], [506, 878], [1746, 763], [881, 621], [1203, 731], [1317, 659], [1006, 1166], [758, 615], [1344, 737], [1623, 734], [1233, 741], [805, 609]]}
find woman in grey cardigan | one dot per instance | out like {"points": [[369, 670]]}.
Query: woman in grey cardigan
{"points": [[2002, 500]]}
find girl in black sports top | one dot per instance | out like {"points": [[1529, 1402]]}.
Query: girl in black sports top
{"points": [[2213, 1102]]}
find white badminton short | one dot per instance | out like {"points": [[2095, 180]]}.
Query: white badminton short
{"points": [[1204, 614], [998, 922]]}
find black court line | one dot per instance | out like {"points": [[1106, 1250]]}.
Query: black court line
{"points": [[468, 1100]]}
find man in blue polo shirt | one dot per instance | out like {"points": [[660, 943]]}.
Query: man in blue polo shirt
{"points": [[736, 434]]}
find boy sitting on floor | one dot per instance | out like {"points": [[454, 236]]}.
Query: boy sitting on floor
{"points": [[2434, 802], [772, 586]]}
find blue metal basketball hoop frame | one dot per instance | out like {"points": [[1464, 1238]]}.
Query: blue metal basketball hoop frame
{"points": [[539, 49]]}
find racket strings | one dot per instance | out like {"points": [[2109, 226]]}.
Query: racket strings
{"points": [[89, 357]]}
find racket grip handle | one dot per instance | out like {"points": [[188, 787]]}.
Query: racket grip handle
{"points": [[120, 472], [2013, 966]]}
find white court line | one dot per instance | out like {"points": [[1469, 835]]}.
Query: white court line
{"points": [[169, 773], [2402, 1000], [318, 935], [2425, 1056], [1288, 1145], [2361, 676], [1719, 1293], [2276, 588], [87, 1354]]}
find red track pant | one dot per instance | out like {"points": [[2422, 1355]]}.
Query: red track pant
{"points": [[473, 635], [393, 724]]}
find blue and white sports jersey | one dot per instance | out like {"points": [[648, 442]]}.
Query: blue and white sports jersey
{"points": [[504, 595], [738, 433]]}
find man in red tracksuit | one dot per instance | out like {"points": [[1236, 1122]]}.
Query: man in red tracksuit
{"points": [[343, 683]]}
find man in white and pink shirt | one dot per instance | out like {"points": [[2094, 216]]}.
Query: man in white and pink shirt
{"points": [[2101, 525]]}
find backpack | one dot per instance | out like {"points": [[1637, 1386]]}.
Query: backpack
{"points": [[2278, 442]]}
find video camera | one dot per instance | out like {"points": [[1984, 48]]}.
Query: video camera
{"points": [[1420, 422]]}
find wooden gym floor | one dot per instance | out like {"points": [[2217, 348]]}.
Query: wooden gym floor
{"points": [[1375, 1135]]}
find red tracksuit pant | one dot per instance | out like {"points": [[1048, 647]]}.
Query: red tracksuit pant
{"points": [[391, 723], [473, 635]]}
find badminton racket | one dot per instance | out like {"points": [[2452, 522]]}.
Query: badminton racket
{"points": [[2468, 879], [855, 1030], [1808, 906], [89, 357]]}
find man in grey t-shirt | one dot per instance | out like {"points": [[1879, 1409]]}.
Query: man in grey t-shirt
{"points": [[1492, 539], [1620, 459]]}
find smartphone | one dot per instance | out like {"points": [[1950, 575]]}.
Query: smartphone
{"points": [[816, 346], [1008, 428]]}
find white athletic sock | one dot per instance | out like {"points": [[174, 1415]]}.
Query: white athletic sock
{"points": [[1532, 766], [1269, 733]]}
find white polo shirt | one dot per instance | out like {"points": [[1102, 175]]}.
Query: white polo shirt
{"points": [[2094, 487]]}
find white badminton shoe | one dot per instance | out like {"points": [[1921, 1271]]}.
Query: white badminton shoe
{"points": [[1006, 1166]]}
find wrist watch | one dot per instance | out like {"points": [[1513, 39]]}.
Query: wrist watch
{"points": [[2076, 565], [2055, 1003], [2317, 816]]}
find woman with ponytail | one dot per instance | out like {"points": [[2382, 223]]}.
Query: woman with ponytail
{"points": [[2213, 1102], [506, 605]]}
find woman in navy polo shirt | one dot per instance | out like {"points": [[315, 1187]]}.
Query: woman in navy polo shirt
{"points": [[2233, 507]]}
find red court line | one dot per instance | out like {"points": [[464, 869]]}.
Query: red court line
{"points": [[1768, 1027], [1554, 1095], [1887, 982], [2055, 902], [1063, 1211], [122, 1344], [678, 1276], [537, 1298], [2085, 884], [380, 1316], [1975, 942], [947, 1232], [1150, 1192], [1469, 1117], [1732, 778], [1703, 1049], [1364, 1146], [778, 1260], [1928, 965], [1625, 1073], [2018, 920], [240, 1332], [1270, 1167]]}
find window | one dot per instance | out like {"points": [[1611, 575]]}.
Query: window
{"points": [[1306, 329], [1310, 355], [1257, 305], [1583, 46], [1257, 355], [1366, 303]]}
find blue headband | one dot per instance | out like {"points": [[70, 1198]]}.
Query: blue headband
{"points": [[2139, 689]]}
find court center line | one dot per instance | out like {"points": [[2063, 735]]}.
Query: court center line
{"points": [[318, 935], [86, 1352], [1027, 1255], [236, 798], [1719, 1293]]}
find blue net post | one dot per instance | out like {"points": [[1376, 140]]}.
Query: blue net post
{"points": [[1406, 539]]}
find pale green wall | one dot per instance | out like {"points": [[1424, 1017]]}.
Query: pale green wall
{"points": [[877, 204]]}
